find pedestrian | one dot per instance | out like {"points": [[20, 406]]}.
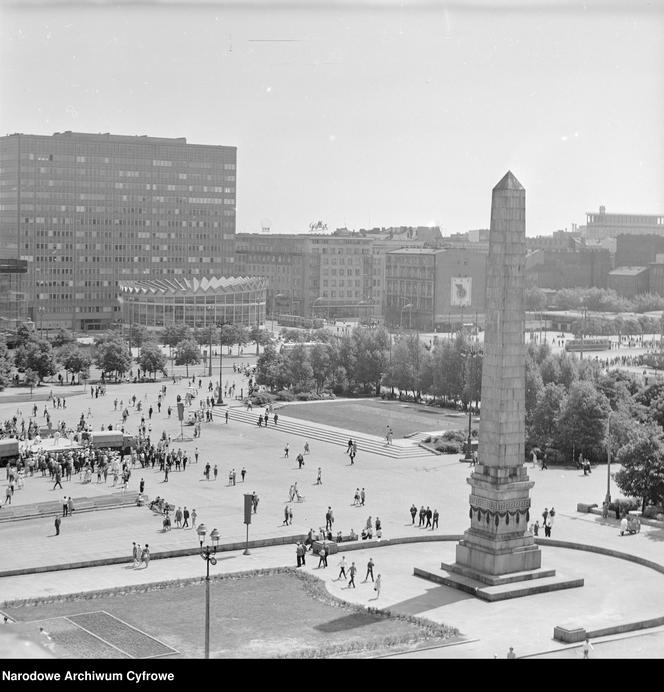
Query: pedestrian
{"points": [[378, 524], [136, 554], [8, 495], [178, 517], [70, 506], [216, 471], [196, 455], [57, 525], [342, 568], [350, 446], [362, 497], [65, 507], [276, 417], [536, 528], [351, 456], [318, 477], [286, 451], [356, 497], [226, 416], [185, 518], [145, 556], [429, 515], [206, 471], [423, 514], [548, 525], [290, 515], [434, 524], [243, 473], [413, 513], [322, 557], [587, 648], [141, 486], [193, 518], [544, 464], [306, 447], [377, 586], [299, 553], [352, 571], [370, 566], [285, 521], [510, 653], [254, 501], [329, 518]]}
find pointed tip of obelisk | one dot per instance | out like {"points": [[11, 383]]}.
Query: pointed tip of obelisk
{"points": [[509, 182]]}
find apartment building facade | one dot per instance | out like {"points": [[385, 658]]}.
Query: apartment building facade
{"points": [[88, 210]]}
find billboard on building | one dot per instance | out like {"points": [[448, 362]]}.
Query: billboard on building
{"points": [[461, 290]]}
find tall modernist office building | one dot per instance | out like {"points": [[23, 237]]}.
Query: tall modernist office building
{"points": [[89, 210]]}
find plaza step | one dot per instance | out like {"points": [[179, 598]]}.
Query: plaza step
{"points": [[399, 449], [40, 510]]}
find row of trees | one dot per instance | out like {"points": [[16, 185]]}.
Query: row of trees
{"points": [[596, 299]]}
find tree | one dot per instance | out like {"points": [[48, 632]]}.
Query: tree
{"points": [[73, 359], [582, 421], [448, 370], [261, 337], [62, 337], [472, 376], [187, 353], [322, 364], [138, 335], [642, 461], [270, 369], [298, 368], [227, 335], [151, 359], [31, 378], [534, 387], [37, 356], [25, 333], [402, 370], [241, 336], [173, 334], [5, 365], [542, 429], [371, 353], [112, 356]]}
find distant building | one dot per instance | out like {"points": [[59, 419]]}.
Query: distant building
{"points": [[429, 288], [559, 240], [194, 301], [577, 267], [638, 250], [602, 225], [12, 299], [629, 281], [89, 210], [656, 275]]}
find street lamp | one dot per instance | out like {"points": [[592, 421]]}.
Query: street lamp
{"points": [[208, 309], [473, 355], [608, 461], [220, 402], [208, 554]]}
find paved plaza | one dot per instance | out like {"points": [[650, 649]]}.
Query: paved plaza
{"points": [[615, 591]]}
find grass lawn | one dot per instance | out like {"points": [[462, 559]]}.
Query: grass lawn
{"points": [[252, 615], [371, 416]]}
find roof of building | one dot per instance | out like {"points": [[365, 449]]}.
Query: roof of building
{"points": [[509, 182], [212, 284], [628, 271]]}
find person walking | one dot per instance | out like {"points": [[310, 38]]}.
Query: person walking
{"points": [[285, 521], [342, 568], [178, 517], [300, 461], [510, 653], [370, 566], [350, 446], [276, 417], [434, 523], [286, 451], [587, 648], [70, 506], [423, 514], [226, 416], [322, 557], [193, 518], [58, 479], [363, 496], [318, 477], [206, 471], [57, 525], [185, 518], [429, 516], [135, 554], [352, 571], [216, 472], [243, 473], [290, 515], [141, 486], [377, 586], [254, 501], [145, 556], [65, 507], [413, 513], [299, 553], [329, 518], [306, 447]]}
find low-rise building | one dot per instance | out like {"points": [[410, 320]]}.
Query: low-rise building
{"points": [[629, 281]]}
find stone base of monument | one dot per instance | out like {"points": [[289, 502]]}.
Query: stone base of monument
{"points": [[490, 587]]}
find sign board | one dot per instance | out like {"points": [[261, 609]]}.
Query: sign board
{"points": [[247, 508], [180, 411], [461, 290]]}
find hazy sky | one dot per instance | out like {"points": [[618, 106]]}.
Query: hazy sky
{"points": [[364, 114]]}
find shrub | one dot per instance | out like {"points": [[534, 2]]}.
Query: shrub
{"points": [[261, 398], [285, 395], [624, 505], [448, 448], [454, 436], [652, 511]]}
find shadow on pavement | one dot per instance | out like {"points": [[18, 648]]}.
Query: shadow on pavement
{"points": [[433, 598], [348, 622]]}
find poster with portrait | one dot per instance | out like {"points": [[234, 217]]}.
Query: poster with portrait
{"points": [[461, 291]]}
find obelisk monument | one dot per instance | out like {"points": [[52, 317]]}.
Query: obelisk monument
{"points": [[498, 540], [498, 558]]}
